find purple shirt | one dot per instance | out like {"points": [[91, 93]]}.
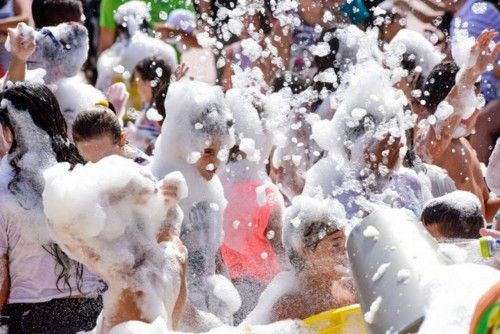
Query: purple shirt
{"points": [[476, 16]]}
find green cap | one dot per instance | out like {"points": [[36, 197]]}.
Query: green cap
{"points": [[485, 249]]}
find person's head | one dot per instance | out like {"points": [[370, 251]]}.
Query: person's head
{"points": [[313, 234], [97, 133], [454, 215], [152, 76], [208, 162], [48, 13], [131, 17], [198, 126], [34, 125], [29, 110], [61, 50], [414, 54], [439, 84]]}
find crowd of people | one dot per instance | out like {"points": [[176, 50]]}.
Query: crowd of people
{"points": [[177, 165]]}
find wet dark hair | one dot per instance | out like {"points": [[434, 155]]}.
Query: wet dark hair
{"points": [[159, 73], [53, 12], [439, 84], [95, 122], [311, 237], [453, 222], [42, 106]]}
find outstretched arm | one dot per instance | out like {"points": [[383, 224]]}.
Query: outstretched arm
{"points": [[22, 44], [433, 141]]}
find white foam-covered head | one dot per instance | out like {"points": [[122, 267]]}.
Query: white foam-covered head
{"points": [[369, 108], [197, 113], [417, 46], [132, 14], [459, 200], [62, 49], [305, 211]]}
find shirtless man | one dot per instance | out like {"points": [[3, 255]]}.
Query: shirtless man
{"points": [[441, 140]]}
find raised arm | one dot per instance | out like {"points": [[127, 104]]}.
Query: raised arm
{"points": [[433, 141], [22, 44]]}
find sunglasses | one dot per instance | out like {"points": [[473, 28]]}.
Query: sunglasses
{"points": [[47, 33]]}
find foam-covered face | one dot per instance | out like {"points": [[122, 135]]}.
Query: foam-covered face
{"points": [[64, 46]]}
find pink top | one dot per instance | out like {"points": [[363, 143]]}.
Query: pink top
{"points": [[246, 250]]}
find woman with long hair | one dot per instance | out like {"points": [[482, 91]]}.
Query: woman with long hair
{"points": [[42, 290]]}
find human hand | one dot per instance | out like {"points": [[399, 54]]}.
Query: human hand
{"points": [[173, 188], [481, 54], [118, 95], [489, 233], [21, 41]]}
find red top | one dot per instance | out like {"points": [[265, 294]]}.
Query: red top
{"points": [[246, 250]]}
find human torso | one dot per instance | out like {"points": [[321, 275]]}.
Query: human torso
{"points": [[462, 165], [33, 270]]}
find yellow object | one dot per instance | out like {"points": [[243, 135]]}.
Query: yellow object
{"points": [[345, 320]]}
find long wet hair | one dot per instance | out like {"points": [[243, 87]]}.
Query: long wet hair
{"points": [[45, 113]]}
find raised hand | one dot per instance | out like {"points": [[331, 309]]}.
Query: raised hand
{"points": [[173, 188], [481, 54], [21, 41], [118, 95]]}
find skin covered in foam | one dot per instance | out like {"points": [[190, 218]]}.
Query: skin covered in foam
{"points": [[199, 118], [366, 142], [108, 216]]}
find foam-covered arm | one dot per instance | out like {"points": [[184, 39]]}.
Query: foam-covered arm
{"points": [[174, 187], [432, 141], [21, 44]]}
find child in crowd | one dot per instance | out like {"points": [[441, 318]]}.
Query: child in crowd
{"points": [[42, 290], [97, 133], [252, 220], [196, 136], [314, 241], [363, 168], [440, 139], [454, 215], [152, 76]]}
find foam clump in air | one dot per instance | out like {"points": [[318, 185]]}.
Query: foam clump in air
{"points": [[417, 47], [371, 232], [450, 306], [370, 316], [107, 216]]}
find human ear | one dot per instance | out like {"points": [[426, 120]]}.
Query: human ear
{"points": [[123, 139]]}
